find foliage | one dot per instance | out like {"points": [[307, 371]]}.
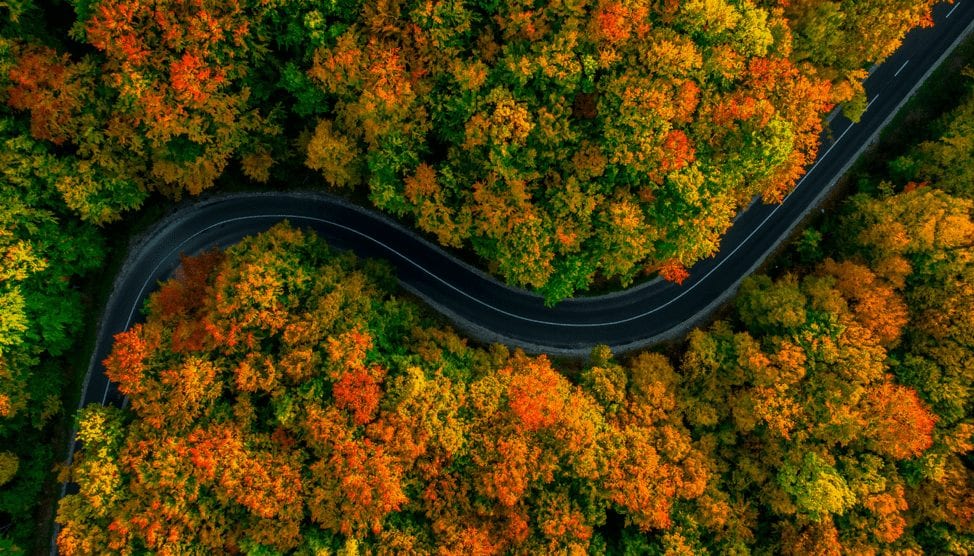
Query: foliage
{"points": [[592, 139], [562, 143], [42, 254], [839, 411], [280, 399], [841, 38], [946, 159], [60, 95], [565, 142], [833, 412]]}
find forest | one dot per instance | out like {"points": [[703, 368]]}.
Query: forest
{"points": [[541, 136], [829, 413], [830, 410], [285, 398]]}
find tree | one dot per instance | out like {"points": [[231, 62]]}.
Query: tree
{"points": [[281, 399], [841, 37], [564, 145], [105, 179], [818, 489], [178, 71], [768, 307]]}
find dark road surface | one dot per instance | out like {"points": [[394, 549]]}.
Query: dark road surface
{"points": [[492, 311]]}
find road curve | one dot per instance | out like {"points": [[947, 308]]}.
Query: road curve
{"points": [[491, 311]]}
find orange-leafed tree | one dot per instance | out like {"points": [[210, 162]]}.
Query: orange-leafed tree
{"points": [[178, 69], [899, 424], [317, 409]]}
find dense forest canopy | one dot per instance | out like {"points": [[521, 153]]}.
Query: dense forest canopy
{"points": [[560, 141], [42, 251], [830, 414], [571, 127], [283, 397]]}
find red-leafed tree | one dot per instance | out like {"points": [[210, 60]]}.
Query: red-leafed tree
{"points": [[318, 408]]}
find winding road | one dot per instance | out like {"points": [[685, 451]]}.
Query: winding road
{"points": [[491, 311]]}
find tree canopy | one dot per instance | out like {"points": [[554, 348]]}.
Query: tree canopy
{"points": [[562, 143], [282, 398]]}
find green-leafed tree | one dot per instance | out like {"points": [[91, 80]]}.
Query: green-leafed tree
{"points": [[43, 252]]}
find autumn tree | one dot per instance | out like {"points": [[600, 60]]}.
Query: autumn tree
{"points": [[803, 410], [922, 239], [562, 145], [842, 38], [280, 399], [160, 104]]}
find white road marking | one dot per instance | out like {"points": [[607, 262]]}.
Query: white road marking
{"points": [[871, 102], [897, 74], [686, 291], [951, 12]]}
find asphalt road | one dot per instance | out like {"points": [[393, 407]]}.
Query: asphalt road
{"points": [[490, 310], [486, 308]]}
